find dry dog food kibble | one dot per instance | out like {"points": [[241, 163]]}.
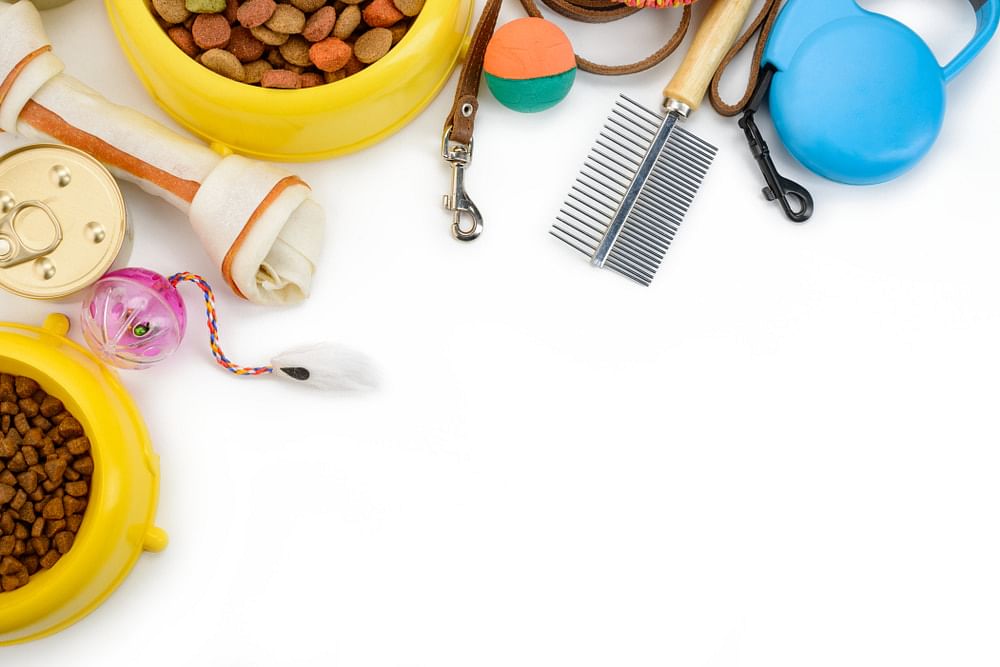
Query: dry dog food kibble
{"points": [[45, 478], [286, 44]]}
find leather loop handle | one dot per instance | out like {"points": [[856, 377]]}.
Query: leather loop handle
{"points": [[763, 23]]}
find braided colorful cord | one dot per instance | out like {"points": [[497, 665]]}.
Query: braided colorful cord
{"points": [[213, 326], [657, 4]]}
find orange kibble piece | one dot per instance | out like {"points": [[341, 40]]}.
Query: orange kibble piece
{"points": [[382, 14], [330, 54]]}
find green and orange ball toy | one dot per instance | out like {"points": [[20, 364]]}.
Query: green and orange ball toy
{"points": [[529, 65]]}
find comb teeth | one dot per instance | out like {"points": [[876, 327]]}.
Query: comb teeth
{"points": [[633, 191]]}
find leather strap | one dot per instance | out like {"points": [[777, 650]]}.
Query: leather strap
{"points": [[763, 23], [462, 118]]}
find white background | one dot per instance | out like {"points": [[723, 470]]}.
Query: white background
{"points": [[784, 453]]}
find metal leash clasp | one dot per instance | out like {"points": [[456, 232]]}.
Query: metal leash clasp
{"points": [[459, 155], [13, 249], [794, 199]]}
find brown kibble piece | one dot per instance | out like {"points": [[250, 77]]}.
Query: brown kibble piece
{"points": [[73, 523], [24, 387], [8, 408], [78, 446], [171, 11], [17, 464], [38, 527], [9, 565], [29, 407], [381, 14], [398, 32], [347, 22], [63, 541], [20, 498], [182, 37], [49, 559], [53, 527], [27, 515], [70, 427], [85, 466], [33, 437], [54, 470], [76, 489], [10, 444], [244, 45], [308, 6], [40, 545], [353, 66], [74, 505], [254, 13], [53, 509], [211, 31], [268, 36], [51, 406], [254, 72], [7, 493], [28, 480], [296, 51], [286, 19], [280, 78], [7, 387], [311, 79], [21, 424], [224, 63], [409, 7], [331, 54], [232, 7], [7, 545], [372, 45], [333, 77], [275, 58], [319, 25]]}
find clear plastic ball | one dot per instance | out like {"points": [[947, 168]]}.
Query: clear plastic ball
{"points": [[133, 318]]}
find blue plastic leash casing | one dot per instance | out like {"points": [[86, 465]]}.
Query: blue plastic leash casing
{"points": [[858, 97]]}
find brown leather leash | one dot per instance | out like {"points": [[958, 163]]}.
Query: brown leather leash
{"points": [[457, 139]]}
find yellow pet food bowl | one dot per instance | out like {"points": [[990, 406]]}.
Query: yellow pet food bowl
{"points": [[307, 124], [118, 522]]}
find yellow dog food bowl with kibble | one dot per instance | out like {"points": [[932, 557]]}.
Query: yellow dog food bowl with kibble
{"points": [[118, 522], [296, 125]]}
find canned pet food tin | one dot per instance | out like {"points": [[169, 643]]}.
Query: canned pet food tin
{"points": [[63, 222]]}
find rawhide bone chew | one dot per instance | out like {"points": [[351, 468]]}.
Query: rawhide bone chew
{"points": [[259, 223]]}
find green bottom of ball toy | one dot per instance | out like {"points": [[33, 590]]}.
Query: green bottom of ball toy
{"points": [[531, 95]]}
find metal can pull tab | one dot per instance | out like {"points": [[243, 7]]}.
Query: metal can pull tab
{"points": [[13, 249]]}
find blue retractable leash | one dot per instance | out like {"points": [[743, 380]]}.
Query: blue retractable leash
{"points": [[857, 97]]}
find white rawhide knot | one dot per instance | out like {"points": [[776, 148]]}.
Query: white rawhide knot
{"points": [[326, 366]]}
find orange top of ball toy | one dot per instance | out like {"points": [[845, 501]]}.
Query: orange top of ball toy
{"points": [[529, 48]]}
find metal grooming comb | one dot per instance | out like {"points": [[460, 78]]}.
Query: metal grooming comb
{"points": [[643, 173], [633, 191]]}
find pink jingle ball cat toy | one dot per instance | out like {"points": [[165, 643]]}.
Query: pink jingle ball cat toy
{"points": [[134, 318]]}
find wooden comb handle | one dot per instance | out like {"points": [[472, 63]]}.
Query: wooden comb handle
{"points": [[719, 29]]}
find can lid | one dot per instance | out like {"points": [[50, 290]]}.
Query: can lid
{"points": [[62, 221]]}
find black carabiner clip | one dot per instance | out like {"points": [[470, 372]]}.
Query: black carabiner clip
{"points": [[779, 188]]}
